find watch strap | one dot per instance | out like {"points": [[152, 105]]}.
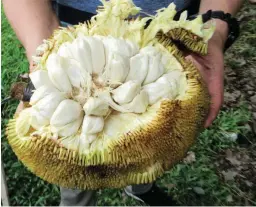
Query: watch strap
{"points": [[233, 25]]}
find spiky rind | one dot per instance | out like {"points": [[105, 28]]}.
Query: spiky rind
{"points": [[127, 158], [42, 160], [139, 155], [188, 39]]}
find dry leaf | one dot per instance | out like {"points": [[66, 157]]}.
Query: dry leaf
{"points": [[233, 161], [231, 158], [169, 186], [248, 183], [191, 157], [229, 175]]}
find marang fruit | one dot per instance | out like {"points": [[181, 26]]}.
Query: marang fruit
{"points": [[115, 103]]}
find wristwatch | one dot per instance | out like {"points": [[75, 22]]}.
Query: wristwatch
{"points": [[233, 24]]}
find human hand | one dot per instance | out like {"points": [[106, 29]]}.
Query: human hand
{"points": [[211, 68]]}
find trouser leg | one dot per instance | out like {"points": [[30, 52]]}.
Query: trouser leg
{"points": [[192, 7], [70, 197]]}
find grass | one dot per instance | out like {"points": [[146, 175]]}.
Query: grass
{"points": [[184, 180], [25, 189], [196, 183]]}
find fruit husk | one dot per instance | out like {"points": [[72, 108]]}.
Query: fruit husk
{"points": [[139, 156]]}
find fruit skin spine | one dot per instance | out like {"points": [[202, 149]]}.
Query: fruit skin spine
{"points": [[139, 156], [123, 167], [191, 41]]}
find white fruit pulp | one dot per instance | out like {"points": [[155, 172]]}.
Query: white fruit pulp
{"points": [[100, 87]]}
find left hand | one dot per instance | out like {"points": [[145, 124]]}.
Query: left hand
{"points": [[211, 68]]}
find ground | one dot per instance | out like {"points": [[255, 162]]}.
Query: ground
{"points": [[220, 168]]}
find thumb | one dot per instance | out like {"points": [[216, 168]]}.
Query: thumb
{"points": [[216, 103]]}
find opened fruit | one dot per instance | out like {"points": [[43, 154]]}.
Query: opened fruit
{"points": [[115, 102]]}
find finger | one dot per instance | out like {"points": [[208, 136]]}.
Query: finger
{"points": [[216, 104], [189, 58], [196, 63], [214, 81]]}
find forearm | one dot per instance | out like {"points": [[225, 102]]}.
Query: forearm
{"points": [[32, 21], [228, 6]]}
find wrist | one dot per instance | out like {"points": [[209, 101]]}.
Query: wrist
{"points": [[222, 29], [227, 28], [220, 35]]}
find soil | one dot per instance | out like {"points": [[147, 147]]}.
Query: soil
{"points": [[239, 163]]}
